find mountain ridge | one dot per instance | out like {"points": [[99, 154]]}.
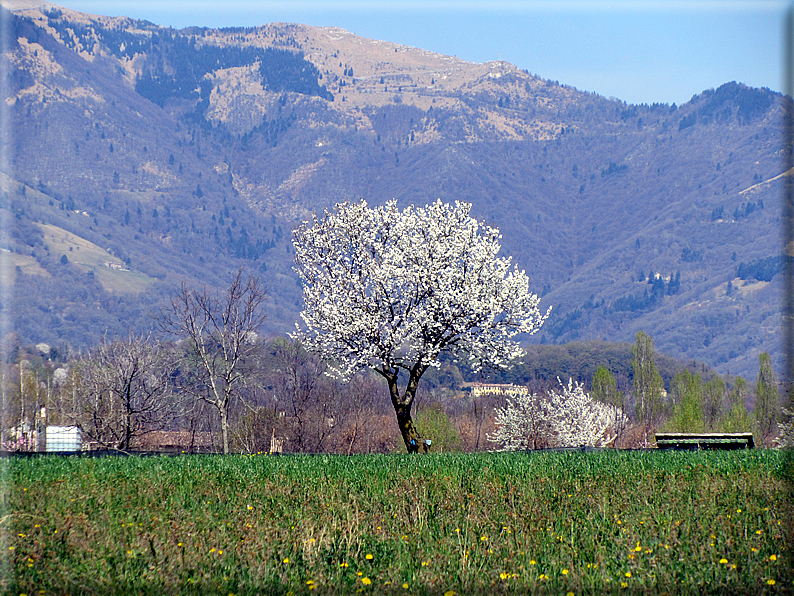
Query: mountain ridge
{"points": [[589, 192]]}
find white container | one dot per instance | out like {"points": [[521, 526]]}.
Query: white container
{"points": [[64, 438]]}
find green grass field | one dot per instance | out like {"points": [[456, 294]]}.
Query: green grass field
{"points": [[548, 523]]}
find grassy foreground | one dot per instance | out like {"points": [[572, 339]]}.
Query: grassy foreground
{"points": [[557, 523]]}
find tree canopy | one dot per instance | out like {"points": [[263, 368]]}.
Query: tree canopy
{"points": [[391, 290]]}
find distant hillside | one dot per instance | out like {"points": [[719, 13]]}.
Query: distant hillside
{"points": [[168, 155]]}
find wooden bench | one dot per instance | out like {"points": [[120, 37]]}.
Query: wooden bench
{"points": [[695, 441]]}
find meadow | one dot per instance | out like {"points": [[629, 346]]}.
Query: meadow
{"points": [[490, 523]]}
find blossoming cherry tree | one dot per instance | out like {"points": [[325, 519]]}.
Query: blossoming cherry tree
{"points": [[391, 290]]}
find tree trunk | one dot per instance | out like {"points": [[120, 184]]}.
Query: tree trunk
{"points": [[407, 428], [224, 428], [402, 406]]}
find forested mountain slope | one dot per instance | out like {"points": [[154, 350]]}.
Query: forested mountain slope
{"points": [[138, 157]]}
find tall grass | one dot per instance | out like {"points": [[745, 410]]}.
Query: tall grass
{"points": [[587, 523]]}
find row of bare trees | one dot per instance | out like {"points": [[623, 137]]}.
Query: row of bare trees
{"points": [[211, 379], [208, 374]]}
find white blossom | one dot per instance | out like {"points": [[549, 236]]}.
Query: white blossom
{"points": [[524, 423], [384, 288], [391, 290], [574, 418], [580, 420]]}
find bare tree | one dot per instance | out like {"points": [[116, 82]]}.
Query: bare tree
{"points": [[121, 391], [303, 392], [356, 406], [218, 333]]}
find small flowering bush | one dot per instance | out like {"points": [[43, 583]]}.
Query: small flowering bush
{"points": [[571, 415]]}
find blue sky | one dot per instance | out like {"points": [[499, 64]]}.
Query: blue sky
{"points": [[638, 51]]}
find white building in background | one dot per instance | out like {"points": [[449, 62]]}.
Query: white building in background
{"points": [[478, 389]]}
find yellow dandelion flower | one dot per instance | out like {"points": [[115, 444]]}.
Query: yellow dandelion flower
{"points": [[753, 549], [450, 593], [533, 562], [758, 532], [369, 557], [424, 563], [405, 586], [638, 548], [344, 564], [366, 581], [770, 582], [723, 561], [564, 572], [570, 594], [504, 575], [309, 583], [286, 560], [738, 511], [628, 574], [773, 557], [624, 585], [359, 573], [543, 576], [483, 538]]}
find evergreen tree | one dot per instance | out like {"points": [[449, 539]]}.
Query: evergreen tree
{"points": [[766, 397], [648, 385]]}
